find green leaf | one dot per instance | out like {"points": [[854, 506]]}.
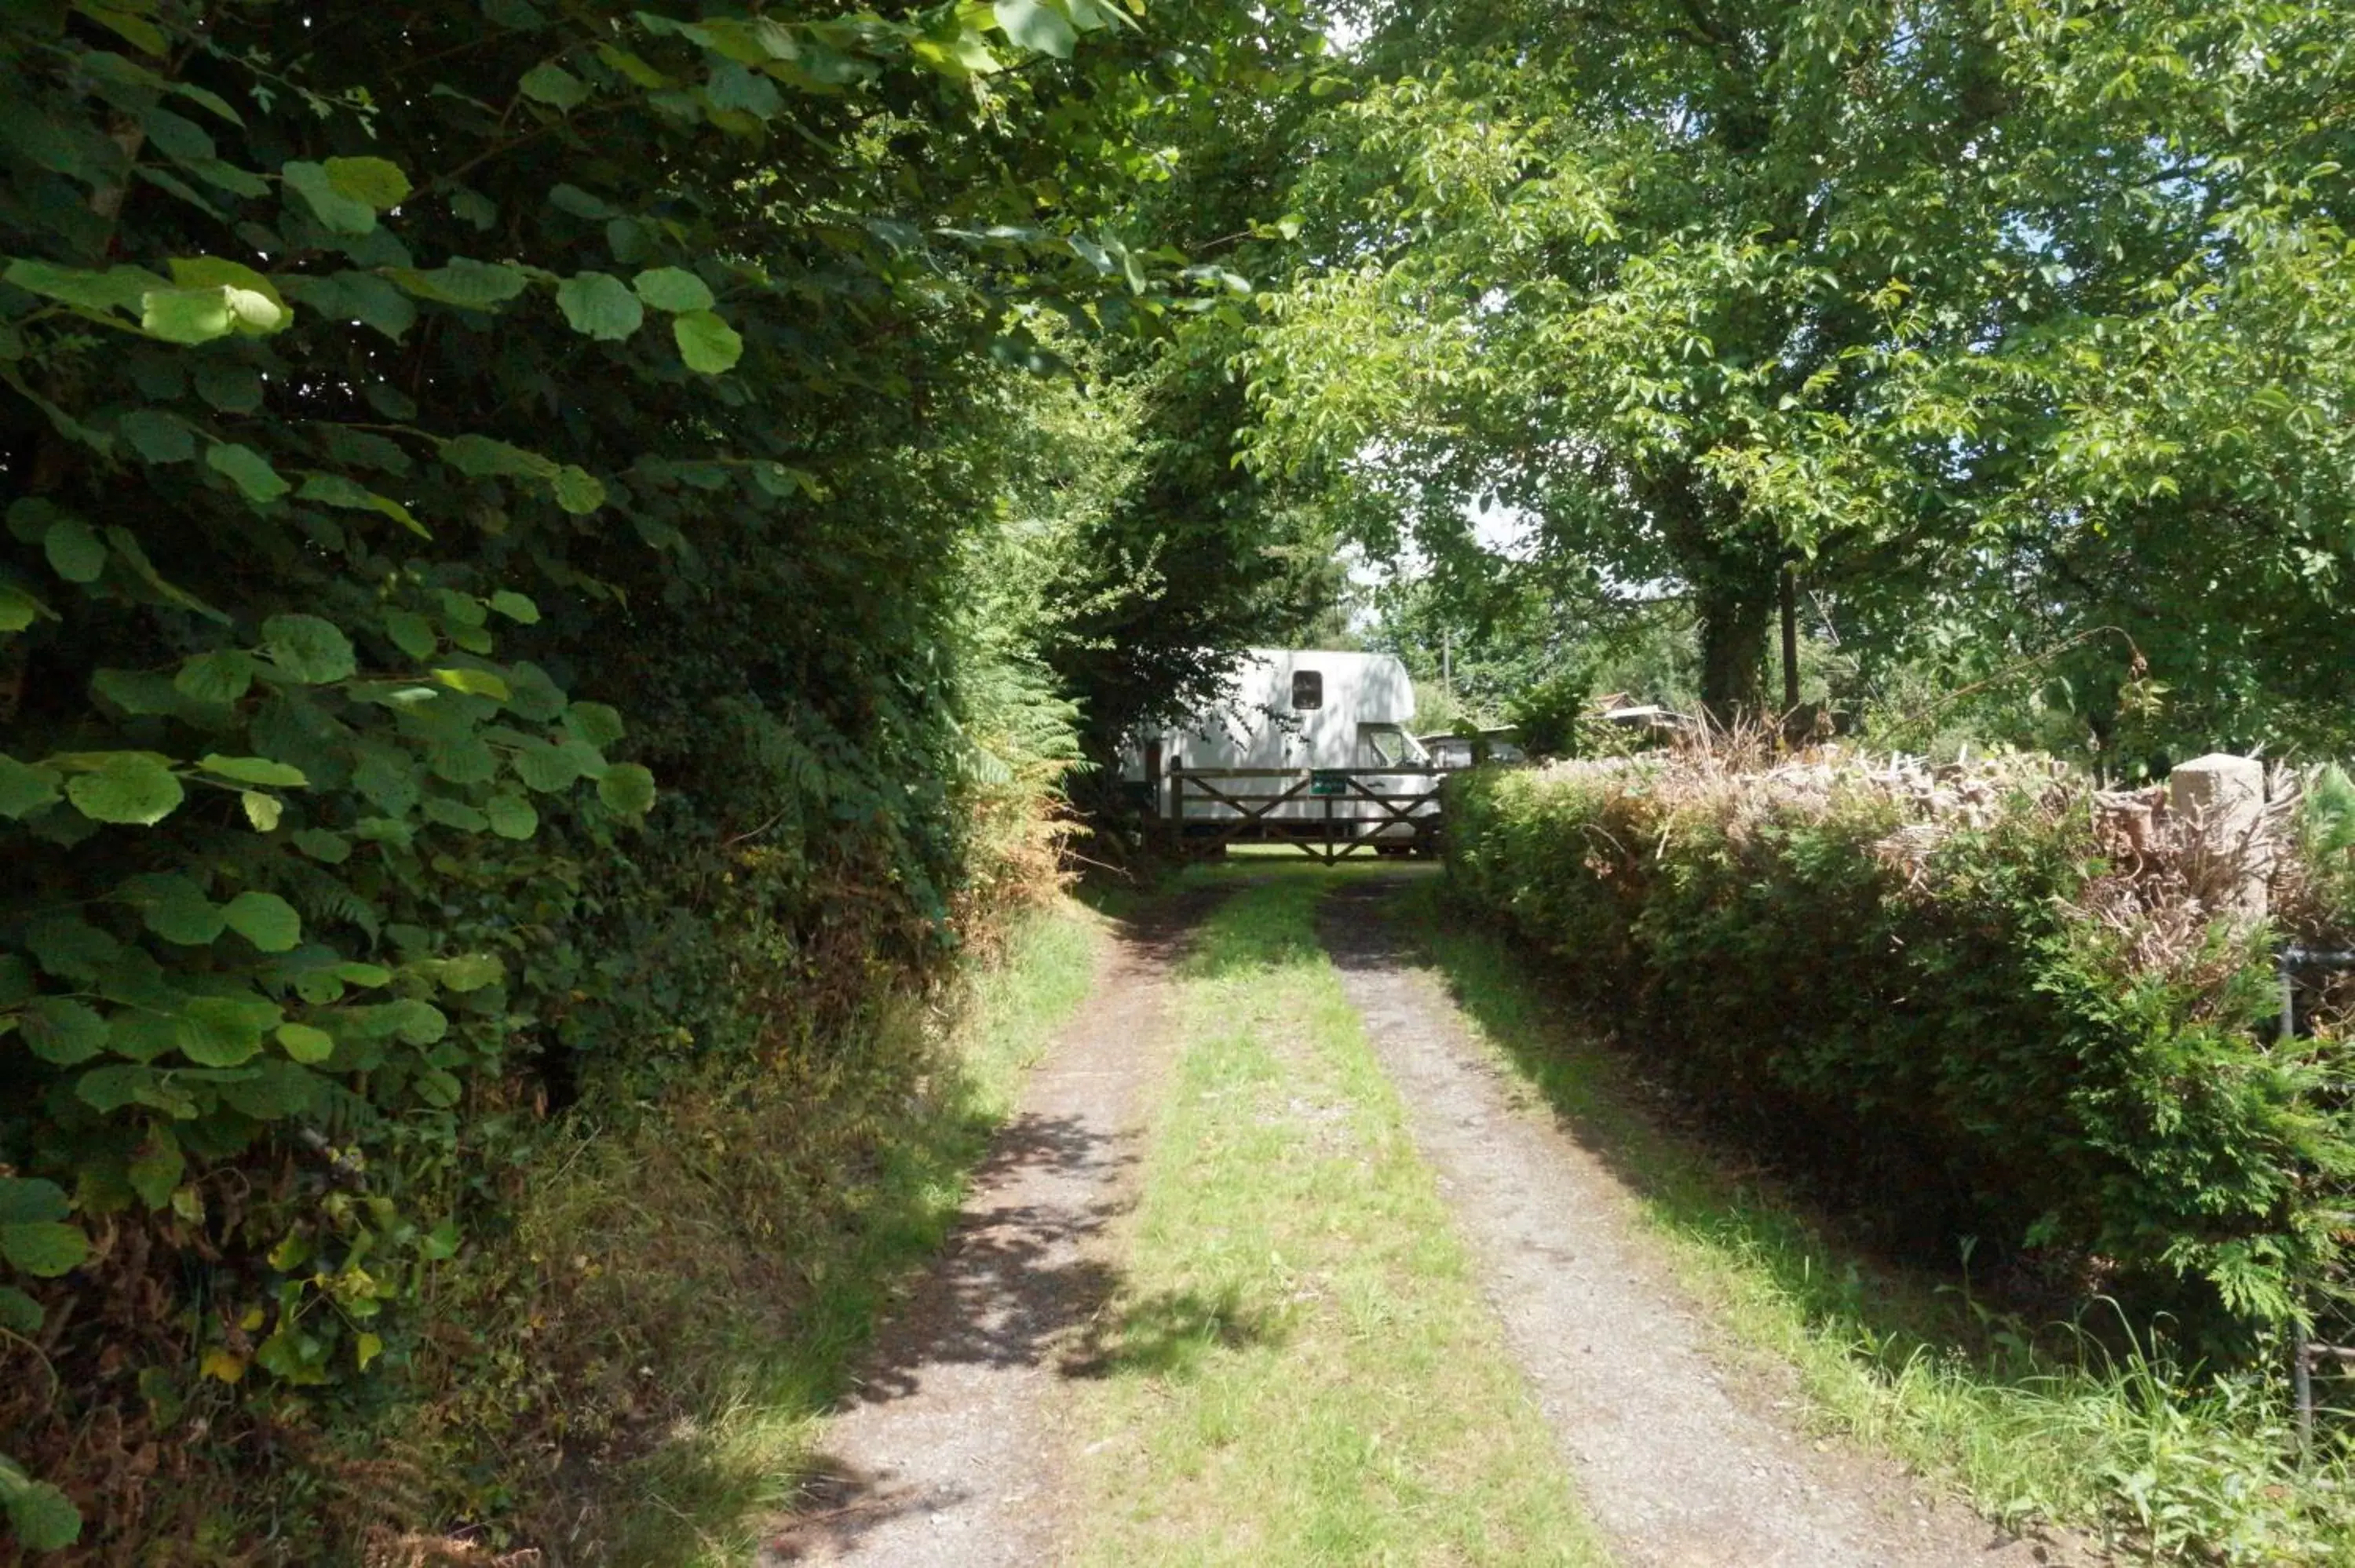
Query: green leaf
{"points": [[26, 787], [263, 811], [19, 609], [19, 1313], [223, 1031], [410, 632], [577, 491], [44, 1249], [155, 1171], [516, 606], [594, 722], [334, 490], [266, 920], [70, 948], [335, 208], [137, 692], [707, 343], [671, 289], [480, 457], [330, 849], [376, 183], [474, 682], [250, 470], [186, 316], [511, 817], [597, 304], [74, 550], [27, 1200], [361, 297], [16, 980], [545, 768], [308, 649], [553, 85], [1036, 26], [253, 298], [254, 770], [116, 288], [157, 436], [218, 677], [469, 284], [44, 1519], [135, 787], [175, 909], [628, 789], [62, 1031], [306, 1044]]}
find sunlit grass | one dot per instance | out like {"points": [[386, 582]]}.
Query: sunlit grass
{"points": [[1336, 1391]]}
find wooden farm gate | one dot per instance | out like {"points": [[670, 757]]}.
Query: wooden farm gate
{"points": [[1327, 813]]}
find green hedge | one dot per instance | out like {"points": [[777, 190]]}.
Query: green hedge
{"points": [[1976, 1020]]}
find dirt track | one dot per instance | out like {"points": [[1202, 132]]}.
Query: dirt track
{"points": [[950, 1451], [1682, 1460]]}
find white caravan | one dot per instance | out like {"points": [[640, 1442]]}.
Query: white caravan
{"points": [[1297, 709]]}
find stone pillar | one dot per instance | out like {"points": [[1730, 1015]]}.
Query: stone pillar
{"points": [[2220, 800]]}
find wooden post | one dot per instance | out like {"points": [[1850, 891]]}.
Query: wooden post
{"points": [[1790, 638], [1153, 773]]}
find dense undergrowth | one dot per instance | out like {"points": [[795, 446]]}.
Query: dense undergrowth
{"points": [[495, 708]]}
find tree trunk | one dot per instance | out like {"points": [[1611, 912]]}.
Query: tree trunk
{"points": [[1735, 622]]}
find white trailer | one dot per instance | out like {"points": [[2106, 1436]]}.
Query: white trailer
{"points": [[1326, 737]]}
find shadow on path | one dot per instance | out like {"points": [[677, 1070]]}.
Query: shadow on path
{"points": [[944, 1451]]}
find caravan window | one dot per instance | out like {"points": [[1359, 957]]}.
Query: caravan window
{"points": [[1309, 688], [1381, 746]]}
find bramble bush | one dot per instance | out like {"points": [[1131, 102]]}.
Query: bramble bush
{"points": [[1976, 999]]}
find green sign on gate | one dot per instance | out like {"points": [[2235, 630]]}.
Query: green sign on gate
{"points": [[1328, 781]]}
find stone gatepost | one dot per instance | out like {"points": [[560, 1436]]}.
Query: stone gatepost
{"points": [[2220, 798]]}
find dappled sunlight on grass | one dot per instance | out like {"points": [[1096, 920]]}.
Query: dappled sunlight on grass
{"points": [[1303, 1372]]}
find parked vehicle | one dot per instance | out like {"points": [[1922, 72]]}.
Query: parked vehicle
{"points": [[1465, 749], [1293, 711]]}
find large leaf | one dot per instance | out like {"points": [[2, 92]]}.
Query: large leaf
{"points": [[249, 469], [129, 787], [671, 289], [26, 787], [1036, 26], [44, 1249], [74, 549], [334, 207], [306, 648], [375, 183], [62, 1030], [600, 306], [707, 343], [266, 920]]}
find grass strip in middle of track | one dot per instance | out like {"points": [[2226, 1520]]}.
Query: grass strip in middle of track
{"points": [[1300, 1369]]}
